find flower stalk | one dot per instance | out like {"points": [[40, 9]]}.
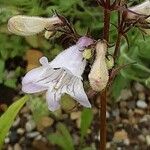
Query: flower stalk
{"points": [[103, 94]]}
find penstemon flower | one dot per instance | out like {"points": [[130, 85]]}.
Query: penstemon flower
{"points": [[98, 75], [62, 75], [143, 9], [141, 13], [27, 25]]}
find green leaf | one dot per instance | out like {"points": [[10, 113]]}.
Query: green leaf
{"points": [[143, 50], [38, 107], [119, 83], [11, 83], [62, 138], [64, 131], [55, 138], [86, 120], [6, 120]]}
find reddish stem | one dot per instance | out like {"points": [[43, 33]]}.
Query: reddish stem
{"points": [[103, 104], [117, 47], [103, 97], [106, 24]]}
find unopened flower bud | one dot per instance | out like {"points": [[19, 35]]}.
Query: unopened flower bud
{"points": [[109, 62], [49, 34], [30, 25], [141, 13], [99, 76], [87, 53], [67, 103], [143, 9]]}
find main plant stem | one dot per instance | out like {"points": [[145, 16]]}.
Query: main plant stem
{"points": [[103, 104], [103, 94]]}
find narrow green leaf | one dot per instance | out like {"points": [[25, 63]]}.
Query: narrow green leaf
{"points": [[55, 138], [6, 120], [62, 138], [86, 120], [64, 131]]}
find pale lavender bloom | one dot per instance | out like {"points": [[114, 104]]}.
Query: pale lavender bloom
{"points": [[60, 76]]}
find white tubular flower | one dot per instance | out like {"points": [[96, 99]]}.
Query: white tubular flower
{"points": [[143, 9], [98, 76], [62, 75], [27, 25]]}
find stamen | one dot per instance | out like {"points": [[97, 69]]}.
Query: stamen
{"points": [[61, 80], [58, 77], [71, 85], [66, 80]]}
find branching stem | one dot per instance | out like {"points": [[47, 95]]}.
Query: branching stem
{"points": [[117, 47]]}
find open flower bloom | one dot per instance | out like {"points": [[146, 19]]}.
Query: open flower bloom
{"points": [[141, 11], [62, 75], [30, 25]]}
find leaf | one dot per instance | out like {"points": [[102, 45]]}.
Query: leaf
{"points": [[119, 83], [143, 50], [57, 139], [86, 120], [139, 71], [64, 131], [38, 107], [6, 120], [11, 83], [62, 138]]}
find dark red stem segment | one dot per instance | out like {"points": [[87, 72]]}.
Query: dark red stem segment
{"points": [[103, 102], [106, 24], [103, 97]]}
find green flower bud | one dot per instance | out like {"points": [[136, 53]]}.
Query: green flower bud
{"points": [[67, 103], [109, 62], [87, 53]]}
